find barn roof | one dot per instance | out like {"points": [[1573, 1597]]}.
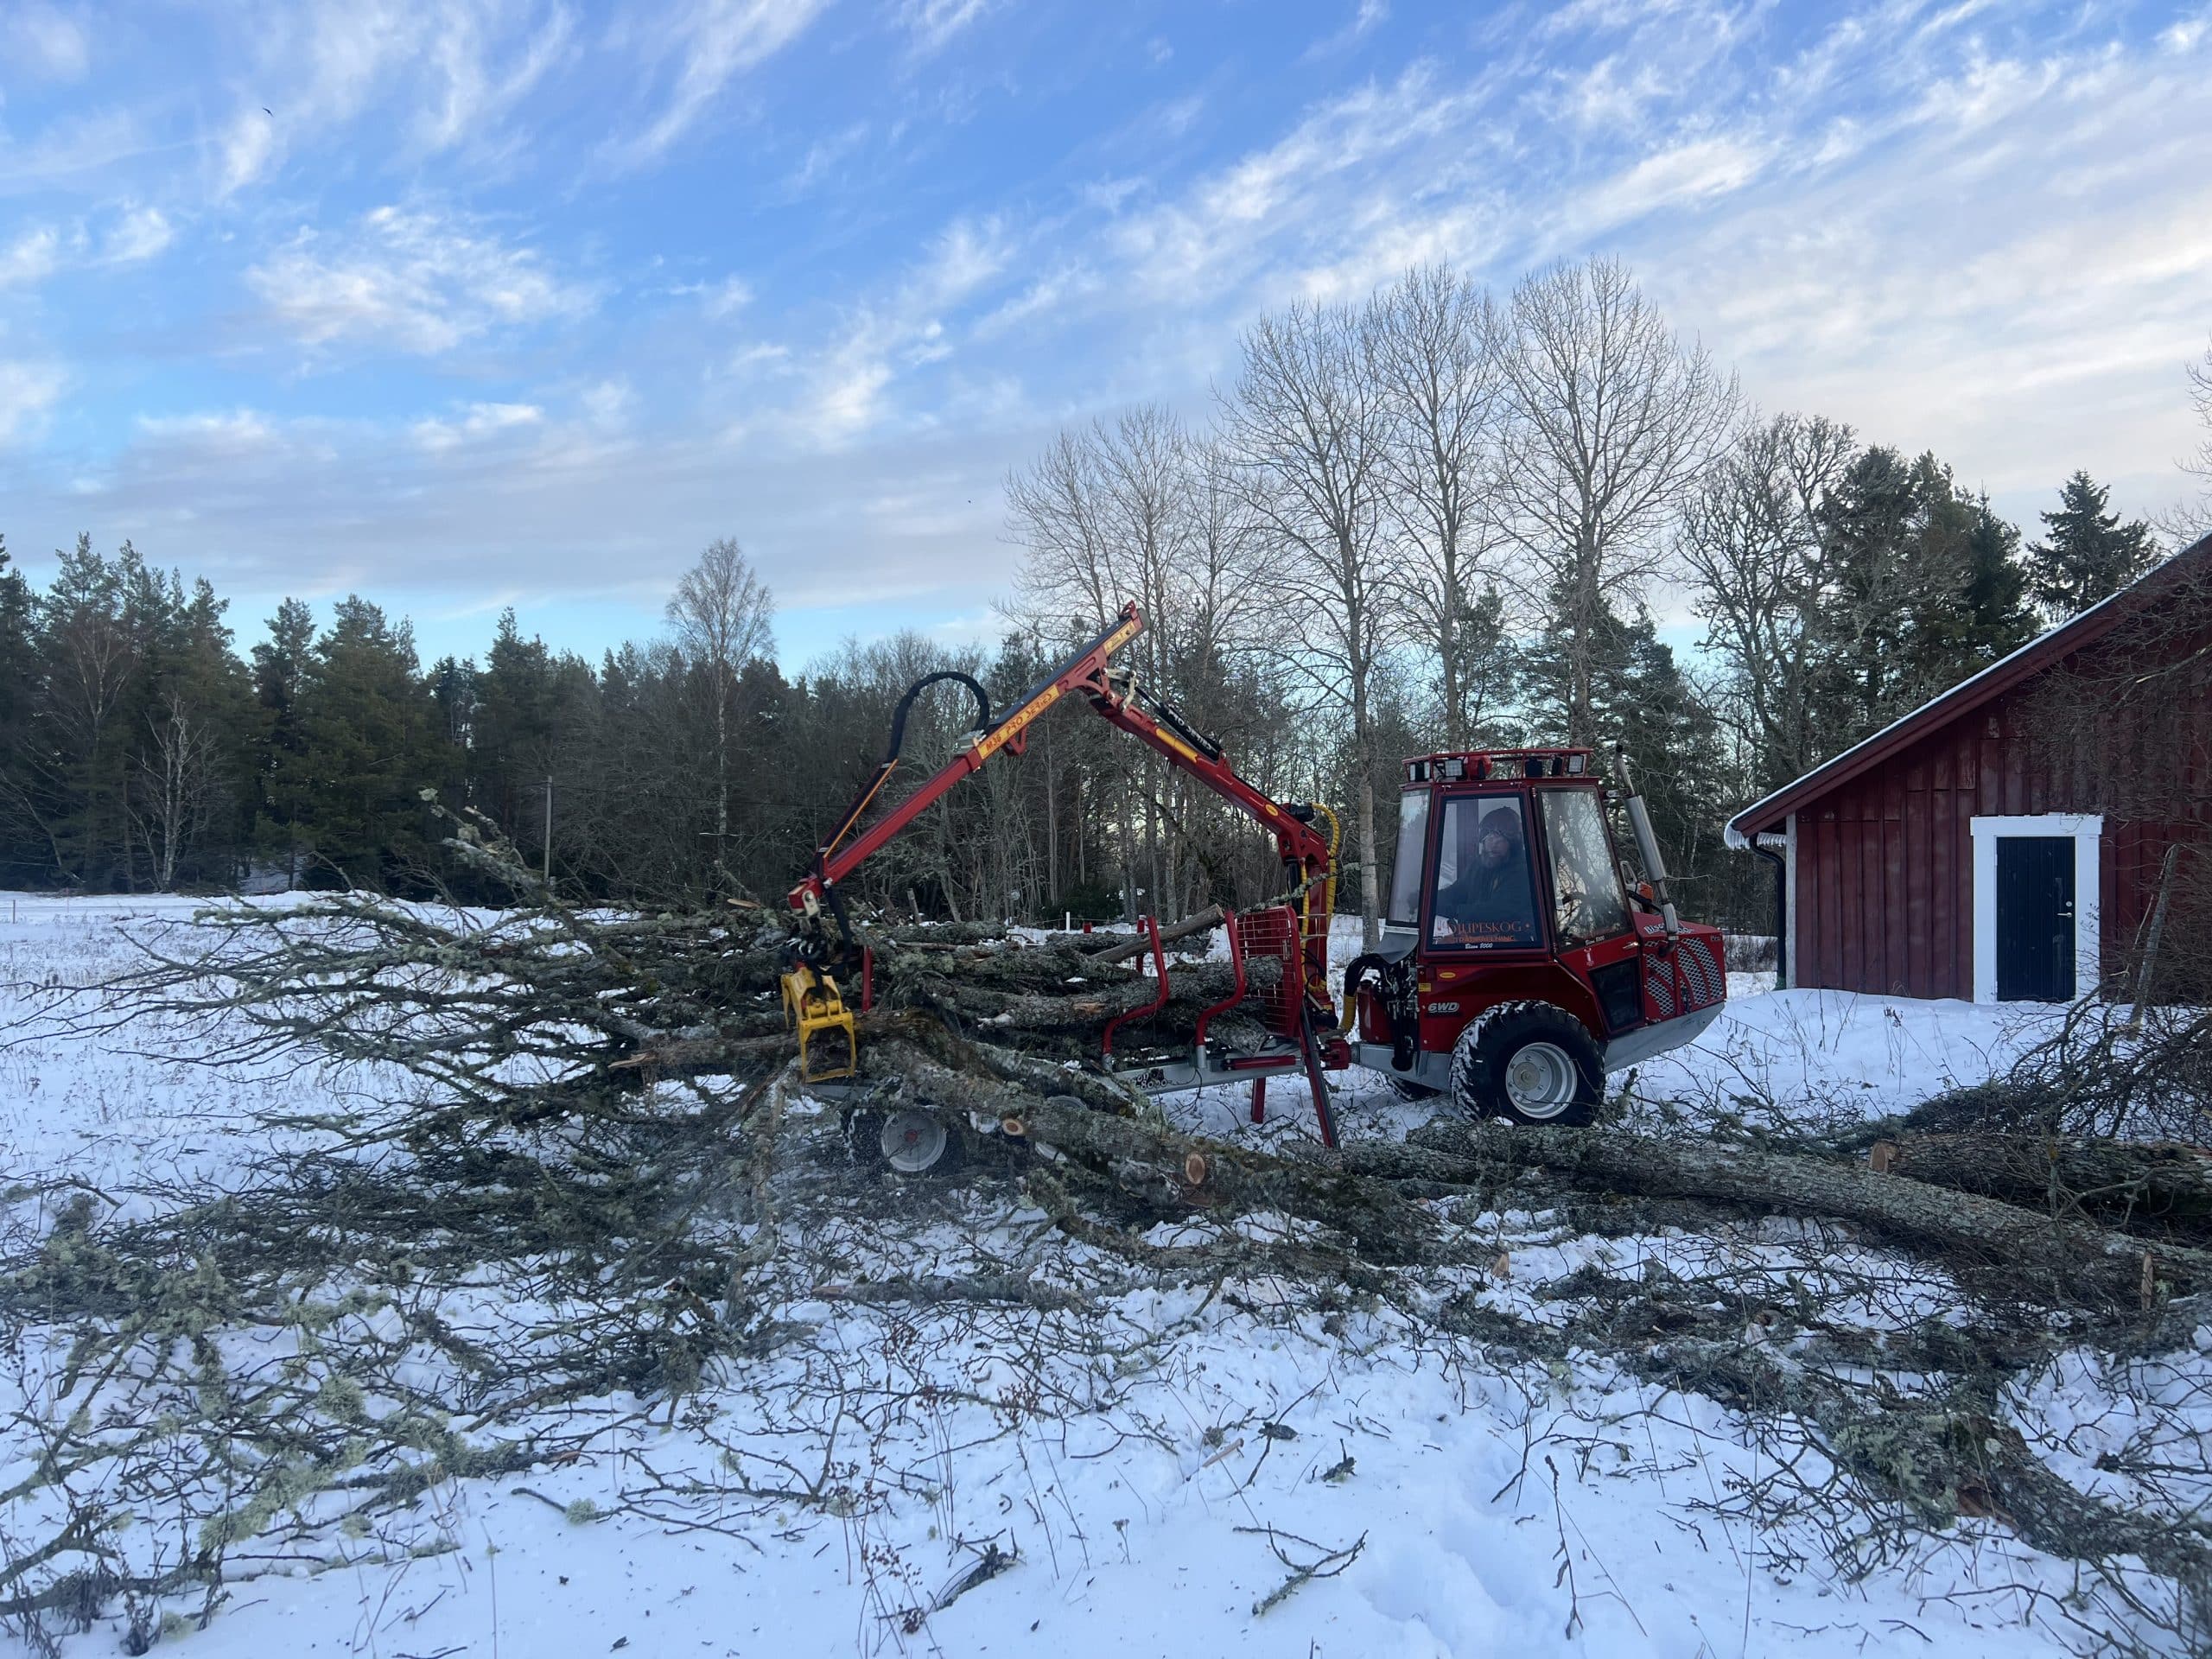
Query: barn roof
{"points": [[1963, 698]]}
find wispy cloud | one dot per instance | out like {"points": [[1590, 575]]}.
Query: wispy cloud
{"points": [[906, 330], [477, 422], [1369, 16], [43, 40], [27, 391], [30, 258], [412, 280], [456, 69], [932, 23], [710, 41], [229, 433], [140, 233], [1685, 173]]}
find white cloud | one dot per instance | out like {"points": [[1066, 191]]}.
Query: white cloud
{"points": [[248, 147], [414, 282], [30, 258], [1702, 168], [45, 40], [475, 89], [607, 405], [906, 331], [477, 422], [727, 298], [712, 40], [463, 65], [27, 391], [1369, 16], [931, 23], [232, 433], [140, 233]]}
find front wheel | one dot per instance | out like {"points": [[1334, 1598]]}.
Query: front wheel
{"points": [[1531, 1061]]}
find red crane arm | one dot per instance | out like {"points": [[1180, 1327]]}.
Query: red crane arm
{"points": [[1305, 851]]}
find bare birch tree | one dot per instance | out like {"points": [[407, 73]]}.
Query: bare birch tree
{"points": [[1752, 545], [1139, 510], [177, 788], [1615, 422], [722, 614], [1307, 434], [1437, 347]]}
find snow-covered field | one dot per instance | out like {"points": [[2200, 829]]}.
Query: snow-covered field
{"points": [[1156, 1466]]}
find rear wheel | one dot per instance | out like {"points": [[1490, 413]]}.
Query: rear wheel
{"points": [[906, 1142], [1531, 1061]]}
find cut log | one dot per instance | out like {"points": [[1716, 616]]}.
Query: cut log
{"points": [[1205, 921]]}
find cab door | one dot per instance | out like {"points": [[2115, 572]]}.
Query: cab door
{"points": [[1596, 932]]}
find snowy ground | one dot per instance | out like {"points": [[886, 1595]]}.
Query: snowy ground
{"points": [[1135, 1462]]}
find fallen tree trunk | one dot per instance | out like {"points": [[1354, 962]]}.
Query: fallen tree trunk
{"points": [[2072, 1262], [2117, 1183], [1192, 987]]}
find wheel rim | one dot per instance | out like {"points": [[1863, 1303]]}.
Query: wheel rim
{"points": [[912, 1141], [1540, 1081]]}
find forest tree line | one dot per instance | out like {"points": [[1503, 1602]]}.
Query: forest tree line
{"points": [[1438, 518]]}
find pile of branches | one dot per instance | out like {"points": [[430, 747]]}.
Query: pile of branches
{"points": [[545, 1012], [602, 1109]]}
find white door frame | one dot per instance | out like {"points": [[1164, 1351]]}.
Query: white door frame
{"points": [[2087, 832]]}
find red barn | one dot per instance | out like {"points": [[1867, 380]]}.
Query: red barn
{"points": [[2007, 841]]}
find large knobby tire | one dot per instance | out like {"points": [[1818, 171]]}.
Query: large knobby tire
{"points": [[1532, 1062]]}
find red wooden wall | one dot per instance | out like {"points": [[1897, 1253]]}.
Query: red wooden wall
{"points": [[1884, 887]]}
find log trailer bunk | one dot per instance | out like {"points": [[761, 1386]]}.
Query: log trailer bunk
{"points": [[1522, 1020]]}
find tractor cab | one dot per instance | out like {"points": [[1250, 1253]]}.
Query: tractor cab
{"points": [[1522, 958]]}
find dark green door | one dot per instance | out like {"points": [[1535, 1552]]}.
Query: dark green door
{"points": [[2035, 918]]}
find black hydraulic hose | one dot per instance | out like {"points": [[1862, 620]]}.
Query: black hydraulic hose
{"points": [[1781, 912], [1393, 980], [907, 704], [890, 761]]}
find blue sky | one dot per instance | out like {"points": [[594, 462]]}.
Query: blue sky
{"points": [[468, 303]]}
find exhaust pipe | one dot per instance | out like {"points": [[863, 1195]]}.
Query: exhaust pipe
{"points": [[1647, 845]]}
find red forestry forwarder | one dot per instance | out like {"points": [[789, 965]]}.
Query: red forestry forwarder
{"points": [[1520, 962]]}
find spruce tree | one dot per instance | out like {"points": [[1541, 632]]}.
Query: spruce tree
{"points": [[2088, 554], [21, 860], [1998, 619]]}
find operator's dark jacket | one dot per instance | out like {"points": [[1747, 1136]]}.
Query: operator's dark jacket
{"points": [[1496, 903]]}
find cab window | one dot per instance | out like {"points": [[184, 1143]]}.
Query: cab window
{"points": [[1405, 870], [1586, 898], [1486, 890]]}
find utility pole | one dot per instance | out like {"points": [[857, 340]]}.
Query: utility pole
{"points": [[548, 832]]}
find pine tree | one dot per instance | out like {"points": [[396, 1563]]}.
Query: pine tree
{"points": [[368, 748], [2089, 554], [20, 861], [279, 745]]}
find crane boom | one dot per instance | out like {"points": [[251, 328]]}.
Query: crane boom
{"points": [[1307, 854], [1111, 693]]}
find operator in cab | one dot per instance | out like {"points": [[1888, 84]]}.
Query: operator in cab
{"points": [[1491, 901]]}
